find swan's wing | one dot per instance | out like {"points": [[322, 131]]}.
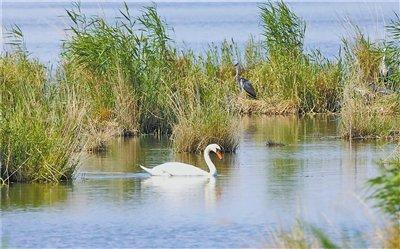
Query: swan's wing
{"points": [[178, 169], [155, 171]]}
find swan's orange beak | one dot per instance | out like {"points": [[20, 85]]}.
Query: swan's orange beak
{"points": [[219, 154]]}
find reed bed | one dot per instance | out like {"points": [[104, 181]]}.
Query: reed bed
{"points": [[126, 77], [202, 103], [299, 81], [370, 107], [40, 126], [162, 87], [180, 93]]}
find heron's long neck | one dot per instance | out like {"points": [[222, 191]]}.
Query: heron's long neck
{"points": [[237, 76], [210, 164], [382, 67]]}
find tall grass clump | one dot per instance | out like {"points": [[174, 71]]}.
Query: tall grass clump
{"points": [[119, 67], [166, 90], [95, 59], [40, 127], [369, 107], [202, 101], [290, 78]]}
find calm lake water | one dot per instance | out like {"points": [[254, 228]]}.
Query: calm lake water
{"points": [[198, 24], [315, 177]]}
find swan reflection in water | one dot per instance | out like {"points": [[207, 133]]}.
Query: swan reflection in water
{"points": [[178, 190]]}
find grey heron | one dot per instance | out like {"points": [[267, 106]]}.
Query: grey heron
{"points": [[244, 84], [384, 73]]}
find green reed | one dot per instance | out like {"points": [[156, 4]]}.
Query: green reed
{"points": [[366, 112], [387, 187], [138, 53], [40, 126], [127, 77], [289, 78]]}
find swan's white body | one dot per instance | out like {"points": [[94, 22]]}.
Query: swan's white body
{"points": [[183, 169]]}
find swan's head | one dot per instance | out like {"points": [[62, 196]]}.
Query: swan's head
{"points": [[216, 149]]}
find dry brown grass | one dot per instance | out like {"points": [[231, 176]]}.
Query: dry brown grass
{"points": [[111, 102], [392, 237], [247, 106]]}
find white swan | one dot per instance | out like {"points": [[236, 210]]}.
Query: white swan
{"points": [[183, 169]]}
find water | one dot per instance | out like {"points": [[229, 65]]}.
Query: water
{"points": [[198, 24], [316, 178]]}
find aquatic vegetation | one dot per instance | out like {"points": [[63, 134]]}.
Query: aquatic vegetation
{"points": [[386, 193], [367, 111], [290, 78], [387, 187], [126, 77], [283, 30], [109, 62], [41, 131], [110, 108], [202, 100], [160, 86], [169, 91], [194, 132], [302, 236]]}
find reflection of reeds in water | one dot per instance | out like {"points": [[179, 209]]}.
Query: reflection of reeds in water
{"points": [[111, 190], [276, 128], [126, 154], [289, 130], [33, 195]]}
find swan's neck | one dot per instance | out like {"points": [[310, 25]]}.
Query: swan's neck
{"points": [[210, 164]]}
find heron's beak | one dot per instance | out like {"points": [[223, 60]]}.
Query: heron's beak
{"points": [[219, 154]]}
